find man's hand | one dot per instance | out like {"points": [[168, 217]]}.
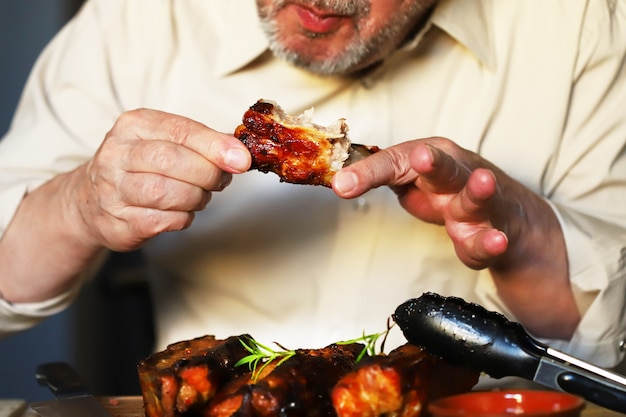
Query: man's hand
{"points": [[151, 173], [493, 221], [441, 183]]}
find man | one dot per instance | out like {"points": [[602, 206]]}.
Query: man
{"points": [[503, 126]]}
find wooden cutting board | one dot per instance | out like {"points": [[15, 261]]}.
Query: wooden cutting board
{"points": [[123, 406]]}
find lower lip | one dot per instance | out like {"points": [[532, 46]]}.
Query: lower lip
{"points": [[318, 23]]}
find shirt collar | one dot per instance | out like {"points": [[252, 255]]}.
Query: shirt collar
{"points": [[242, 39], [469, 23], [464, 20]]}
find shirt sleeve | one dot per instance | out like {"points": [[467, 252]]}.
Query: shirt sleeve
{"points": [[64, 112], [597, 255], [587, 186], [58, 125], [16, 317]]}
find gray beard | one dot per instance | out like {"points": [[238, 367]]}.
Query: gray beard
{"points": [[357, 51]]}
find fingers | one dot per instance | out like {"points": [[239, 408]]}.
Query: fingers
{"points": [[438, 171], [223, 150], [123, 235], [438, 182], [162, 193], [151, 173], [403, 164], [174, 161], [481, 248], [474, 199], [387, 167]]}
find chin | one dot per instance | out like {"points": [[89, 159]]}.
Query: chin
{"points": [[320, 57]]}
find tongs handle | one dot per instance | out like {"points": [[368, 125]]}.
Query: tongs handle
{"points": [[467, 334], [590, 389]]}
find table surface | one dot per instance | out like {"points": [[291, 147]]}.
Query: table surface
{"points": [[133, 407]]}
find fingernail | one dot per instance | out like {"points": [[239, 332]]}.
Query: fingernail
{"points": [[237, 159], [345, 182]]}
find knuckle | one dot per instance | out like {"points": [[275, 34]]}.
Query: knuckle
{"points": [[156, 190], [400, 165], [130, 117], [180, 129], [153, 222], [164, 194], [171, 221], [161, 155]]}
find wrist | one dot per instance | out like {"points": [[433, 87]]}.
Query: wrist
{"points": [[77, 221]]}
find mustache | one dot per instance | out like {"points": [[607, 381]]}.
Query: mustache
{"points": [[356, 8]]}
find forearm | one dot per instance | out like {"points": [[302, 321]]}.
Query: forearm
{"points": [[43, 250], [532, 278]]}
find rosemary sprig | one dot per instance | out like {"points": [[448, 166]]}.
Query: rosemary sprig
{"points": [[370, 342], [264, 355], [259, 353]]}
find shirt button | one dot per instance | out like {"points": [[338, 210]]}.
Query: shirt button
{"points": [[361, 205], [622, 345]]}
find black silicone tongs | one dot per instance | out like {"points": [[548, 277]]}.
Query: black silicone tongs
{"points": [[466, 334]]}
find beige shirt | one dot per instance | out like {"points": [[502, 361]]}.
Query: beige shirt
{"points": [[537, 88]]}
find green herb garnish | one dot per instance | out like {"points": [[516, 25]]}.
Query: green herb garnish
{"points": [[264, 355], [259, 353], [370, 341], [370, 344]]}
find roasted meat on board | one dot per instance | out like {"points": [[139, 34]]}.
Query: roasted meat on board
{"points": [[183, 378], [300, 386], [199, 378], [401, 383]]}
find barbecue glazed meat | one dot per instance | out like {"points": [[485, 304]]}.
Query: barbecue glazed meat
{"points": [[294, 148], [399, 384], [198, 378], [187, 374], [300, 386], [233, 398]]}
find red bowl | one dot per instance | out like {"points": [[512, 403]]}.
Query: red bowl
{"points": [[525, 403]]}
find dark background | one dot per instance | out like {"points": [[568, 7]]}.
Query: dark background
{"points": [[25, 28]]}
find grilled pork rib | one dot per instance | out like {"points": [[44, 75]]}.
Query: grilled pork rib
{"points": [[293, 147], [398, 384], [186, 375], [300, 386], [198, 378]]}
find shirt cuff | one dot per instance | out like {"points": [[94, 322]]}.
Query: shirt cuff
{"points": [[16, 317], [597, 257]]}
